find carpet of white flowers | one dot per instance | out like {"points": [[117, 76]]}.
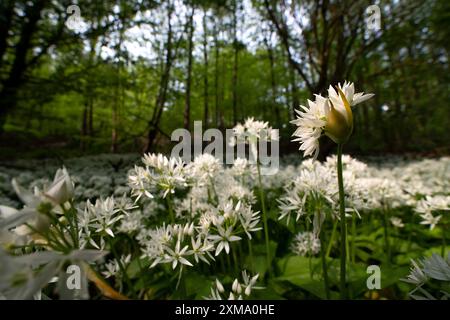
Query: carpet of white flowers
{"points": [[158, 228]]}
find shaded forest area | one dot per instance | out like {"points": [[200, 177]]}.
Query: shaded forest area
{"points": [[127, 73]]}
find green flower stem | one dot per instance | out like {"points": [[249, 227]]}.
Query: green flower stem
{"points": [[343, 288], [347, 247], [235, 259], [169, 207], [112, 243], [266, 229], [222, 264], [73, 224], [324, 268], [444, 241], [333, 235], [228, 263], [250, 251], [386, 234], [353, 238]]}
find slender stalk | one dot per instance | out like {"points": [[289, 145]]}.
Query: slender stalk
{"points": [[235, 260], [343, 288], [325, 269], [228, 262], [353, 238], [386, 234], [72, 229], [222, 264], [250, 251], [347, 247], [444, 242], [240, 254], [180, 275], [121, 266], [310, 266], [266, 229], [410, 232], [169, 207], [333, 235]]}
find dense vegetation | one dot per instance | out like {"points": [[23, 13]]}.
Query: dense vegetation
{"points": [[93, 91], [132, 71]]}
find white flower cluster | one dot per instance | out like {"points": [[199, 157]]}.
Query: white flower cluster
{"points": [[99, 221], [114, 267], [368, 187], [251, 131], [159, 174], [214, 212], [430, 204], [210, 233], [305, 244], [211, 210]]}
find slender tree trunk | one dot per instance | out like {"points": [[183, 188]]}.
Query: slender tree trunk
{"points": [[294, 92], [216, 73], [90, 128], [235, 63], [10, 86], [164, 84], [205, 75], [275, 108], [84, 127], [6, 15], [116, 103], [222, 93], [187, 107]]}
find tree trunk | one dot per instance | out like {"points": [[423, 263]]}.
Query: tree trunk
{"points": [[87, 122], [84, 127], [6, 14], [294, 92], [275, 108], [205, 75], [116, 103], [187, 107], [164, 83], [216, 74], [235, 63], [10, 87]]}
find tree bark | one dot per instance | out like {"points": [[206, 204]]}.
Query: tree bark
{"points": [[164, 83], [216, 74], [187, 107], [270, 56], [235, 63], [205, 74], [6, 15], [10, 87]]}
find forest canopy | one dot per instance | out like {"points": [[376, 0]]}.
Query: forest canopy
{"points": [[314, 161], [124, 74]]}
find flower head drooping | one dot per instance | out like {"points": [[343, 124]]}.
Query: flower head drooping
{"points": [[331, 116], [39, 205]]}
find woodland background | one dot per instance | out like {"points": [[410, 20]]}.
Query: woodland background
{"points": [[133, 71]]}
